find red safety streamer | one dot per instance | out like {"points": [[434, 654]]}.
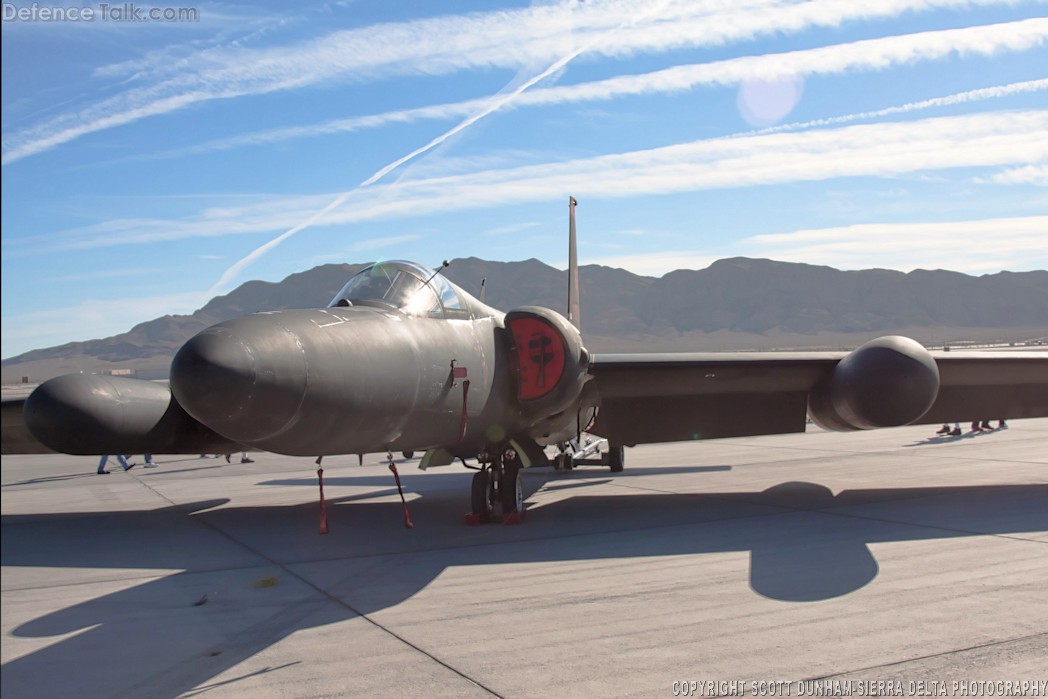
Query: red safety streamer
{"points": [[396, 477], [323, 508], [465, 410]]}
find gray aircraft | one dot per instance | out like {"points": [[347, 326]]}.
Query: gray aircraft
{"points": [[402, 360]]}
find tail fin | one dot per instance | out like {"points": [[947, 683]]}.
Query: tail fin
{"points": [[573, 267]]}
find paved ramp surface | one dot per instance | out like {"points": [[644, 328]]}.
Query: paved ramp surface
{"points": [[890, 555]]}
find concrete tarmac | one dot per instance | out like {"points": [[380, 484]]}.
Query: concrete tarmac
{"points": [[825, 561]]}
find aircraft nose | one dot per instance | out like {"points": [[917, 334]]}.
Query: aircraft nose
{"points": [[244, 379]]}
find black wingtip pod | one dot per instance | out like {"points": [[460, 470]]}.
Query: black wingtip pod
{"points": [[886, 382]]}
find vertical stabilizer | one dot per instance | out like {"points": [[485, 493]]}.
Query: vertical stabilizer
{"points": [[573, 267]]}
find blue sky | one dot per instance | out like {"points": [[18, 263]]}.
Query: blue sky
{"points": [[148, 165]]}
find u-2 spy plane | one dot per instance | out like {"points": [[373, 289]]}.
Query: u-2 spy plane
{"points": [[404, 360]]}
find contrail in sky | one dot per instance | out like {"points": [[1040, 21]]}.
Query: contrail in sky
{"points": [[867, 54], [495, 105], [957, 98]]}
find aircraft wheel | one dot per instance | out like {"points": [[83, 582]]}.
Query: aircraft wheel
{"points": [[616, 458], [408, 454], [511, 489], [480, 495], [565, 462]]}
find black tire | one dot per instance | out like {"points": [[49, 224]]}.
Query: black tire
{"points": [[565, 461], [479, 495], [408, 454], [511, 489], [616, 459]]}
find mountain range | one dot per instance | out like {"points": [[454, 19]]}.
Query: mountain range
{"points": [[736, 303]]}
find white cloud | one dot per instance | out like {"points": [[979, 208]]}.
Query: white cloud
{"points": [[872, 54], [261, 213], [443, 45], [89, 318], [378, 243], [1030, 174], [977, 95], [971, 247], [784, 68], [988, 140], [513, 228], [99, 274], [503, 99]]}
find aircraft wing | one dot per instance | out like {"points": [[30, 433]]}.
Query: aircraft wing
{"points": [[990, 386], [15, 437], [645, 398]]}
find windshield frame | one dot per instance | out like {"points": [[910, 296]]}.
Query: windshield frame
{"points": [[404, 286]]}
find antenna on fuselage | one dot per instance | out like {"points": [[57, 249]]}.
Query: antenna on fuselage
{"points": [[442, 266], [573, 267]]}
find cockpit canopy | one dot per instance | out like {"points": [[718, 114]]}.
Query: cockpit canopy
{"points": [[405, 286]]}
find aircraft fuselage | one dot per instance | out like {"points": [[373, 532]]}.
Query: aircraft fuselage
{"points": [[349, 380]]}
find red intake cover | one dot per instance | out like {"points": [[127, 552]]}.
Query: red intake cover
{"points": [[540, 356]]}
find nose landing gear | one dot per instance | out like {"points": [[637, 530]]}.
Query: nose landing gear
{"points": [[497, 494]]}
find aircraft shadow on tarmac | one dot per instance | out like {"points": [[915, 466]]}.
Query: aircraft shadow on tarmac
{"points": [[951, 438], [805, 543], [453, 479], [90, 475]]}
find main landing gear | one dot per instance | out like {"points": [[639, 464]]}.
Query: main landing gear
{"points": [[588, 453], [498, 489]]}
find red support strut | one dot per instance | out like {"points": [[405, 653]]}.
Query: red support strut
{"points": [[465, 410], [396, 477], [323, 508]]}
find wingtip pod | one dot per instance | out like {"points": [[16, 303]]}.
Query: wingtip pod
{"points": [[90, 414], [886, 382]]}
